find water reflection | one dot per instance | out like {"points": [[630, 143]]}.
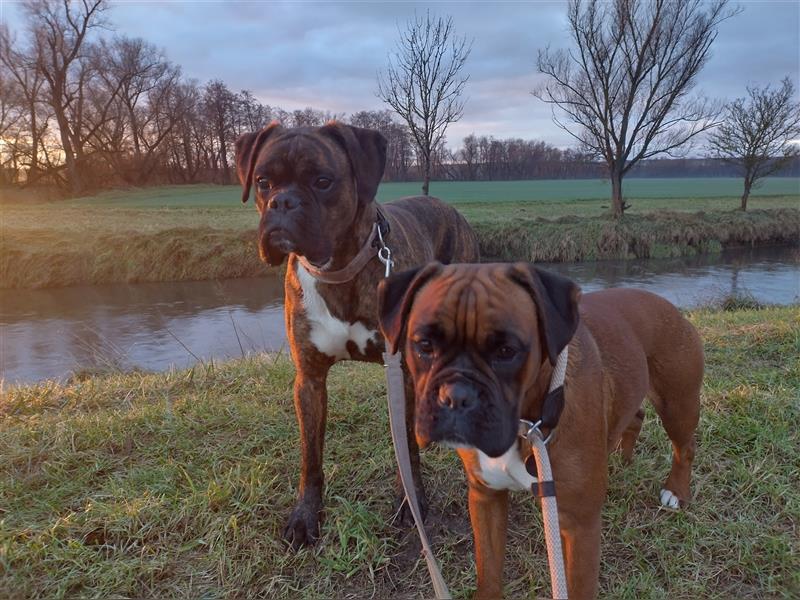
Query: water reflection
{"points": [[152, 326], [48, 333], [769, 274]]}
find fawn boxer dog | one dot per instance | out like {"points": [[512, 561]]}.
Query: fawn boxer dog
{"points": [[315, 192], [480, 342]]}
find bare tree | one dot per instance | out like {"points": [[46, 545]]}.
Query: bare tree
{"points": [[60, 30], [252, 115], [11, 117], [758, 133], [182, 145], [220, 106], [312, 117], [468, 155], [398, 143], [423, 83], [22, 82], [624, 88], [143, 85]]}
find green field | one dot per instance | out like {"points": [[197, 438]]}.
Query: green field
{"points": [[468, 192], [176, 485], [219, 207], [204, 232]]}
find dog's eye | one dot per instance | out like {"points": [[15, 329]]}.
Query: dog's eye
{"points": [[506, 352], [424, 347], [323, 183], [263, 183]]}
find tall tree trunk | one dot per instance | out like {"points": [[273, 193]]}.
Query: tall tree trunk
{"points": [[74, 179], [187, 152], [34, 167], [73, 172], [223, 153], [137, 148], [426, 176], [747, 185], [617, 203]]}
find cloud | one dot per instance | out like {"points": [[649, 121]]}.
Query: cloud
{"points": [[327, 55]]}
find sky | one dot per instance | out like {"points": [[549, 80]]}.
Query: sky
{"points": [[327, 55]]}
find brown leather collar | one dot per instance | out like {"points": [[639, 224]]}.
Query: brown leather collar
{"points": [[352, 268]]}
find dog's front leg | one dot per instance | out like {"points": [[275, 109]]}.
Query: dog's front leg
{"points": [[311, 406], [581, 479], [488, 512], [580, 536]]}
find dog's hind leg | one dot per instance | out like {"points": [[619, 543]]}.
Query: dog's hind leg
{"points": [[627, 442], [676, 399]]}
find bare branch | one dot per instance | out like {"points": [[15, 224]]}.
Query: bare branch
{"points": [[423, 83], [759, 133], [624, 89]]}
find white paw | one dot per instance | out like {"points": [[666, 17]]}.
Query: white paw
{"points": [[669, 500]]}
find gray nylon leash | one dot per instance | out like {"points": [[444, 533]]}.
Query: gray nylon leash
{"points": [[397, 422], [395, 393]]}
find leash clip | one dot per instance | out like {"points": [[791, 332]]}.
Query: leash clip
{"points": [[384, 254], [528, 429]]}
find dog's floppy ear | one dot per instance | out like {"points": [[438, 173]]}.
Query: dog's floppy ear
{"points": [[556, 299], [395, 297], [366, 150], [247, 147]]}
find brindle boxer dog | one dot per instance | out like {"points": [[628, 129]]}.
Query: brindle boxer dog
{"points": [[315, 192], [480, 342]]}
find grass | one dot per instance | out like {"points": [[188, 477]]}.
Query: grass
{"points": [[471, 192], [659, 234], [204, 232], [176, 485], [739, 301]]}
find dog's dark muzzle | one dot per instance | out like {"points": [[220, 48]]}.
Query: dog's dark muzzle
{"points": [[289, 227], [279, 240], [459, 408], [276, 238]]}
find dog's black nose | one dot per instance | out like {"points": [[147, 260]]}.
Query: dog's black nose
{"points": [[283, 202], [457, 395]]}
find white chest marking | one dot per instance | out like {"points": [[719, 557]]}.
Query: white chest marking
{"points": [[506, 472], [329, 334]]}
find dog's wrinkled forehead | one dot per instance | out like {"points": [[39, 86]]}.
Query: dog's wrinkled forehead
{"points": [[298, 154], [468, 303]]}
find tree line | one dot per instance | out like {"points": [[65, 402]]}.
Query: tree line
{"points": [[84, 114], [80, 111]]}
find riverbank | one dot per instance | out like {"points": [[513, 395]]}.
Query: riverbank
{"points": [[660, 234], [152, 326], [177, 484], [204, 233]]}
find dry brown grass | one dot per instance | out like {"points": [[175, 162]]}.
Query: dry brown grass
{"points": [[176, 485], [204, 232]]}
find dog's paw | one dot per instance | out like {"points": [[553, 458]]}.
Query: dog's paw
{"points": [[302, 527], [402, 510], [669, 500]]}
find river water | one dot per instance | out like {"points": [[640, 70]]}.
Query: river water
{"points": [[51, 333]]}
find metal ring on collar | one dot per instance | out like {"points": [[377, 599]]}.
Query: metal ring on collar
{"points": [[528, 429]]}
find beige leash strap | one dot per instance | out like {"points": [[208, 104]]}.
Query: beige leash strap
{"points": [[397, 420], [544, 488], [552, 532]]}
